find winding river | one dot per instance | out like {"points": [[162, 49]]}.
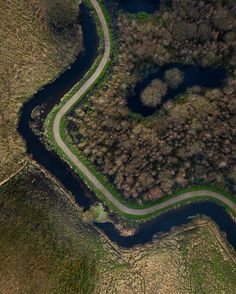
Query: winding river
{"points": [[51, 95]]}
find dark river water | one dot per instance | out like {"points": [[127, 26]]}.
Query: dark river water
{"points": [[175, 217], [49, 96], [193, 76], [135, 6]]}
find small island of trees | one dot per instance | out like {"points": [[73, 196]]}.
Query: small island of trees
{"points": [[153, 93], [174, 77]]}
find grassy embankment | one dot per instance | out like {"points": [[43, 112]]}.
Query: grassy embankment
{"points": [[91, 167]]}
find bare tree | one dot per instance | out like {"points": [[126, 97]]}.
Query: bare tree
{"points": [[174, 77], [152, 95]]}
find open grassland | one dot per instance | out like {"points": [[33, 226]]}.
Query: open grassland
{"points": [[38, 39], [46, 248], [210, 264]]}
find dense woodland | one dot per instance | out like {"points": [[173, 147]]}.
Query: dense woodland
{"points": [[190, 140]]}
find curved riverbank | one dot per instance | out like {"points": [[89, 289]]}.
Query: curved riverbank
{"points": [[173, 218], [49, 96]]}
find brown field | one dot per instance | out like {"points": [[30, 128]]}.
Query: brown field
{"points": [[31, 54]]}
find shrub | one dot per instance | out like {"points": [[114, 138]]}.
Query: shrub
{"points": [[185, 31], [224, 20], [204, 32], [153, 93], [174, 77]]}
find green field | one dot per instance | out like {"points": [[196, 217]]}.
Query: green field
{"points": [[45, 247]]}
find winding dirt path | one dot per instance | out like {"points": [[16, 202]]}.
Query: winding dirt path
{"points": [[67, 106]]}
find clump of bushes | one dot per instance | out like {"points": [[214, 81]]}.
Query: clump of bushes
{"points": [[174, 77], [153, 93]]}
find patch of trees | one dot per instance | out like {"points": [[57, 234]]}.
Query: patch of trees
{"points": [[153, 93], [194, 31], [174, 77], [190, 141]]}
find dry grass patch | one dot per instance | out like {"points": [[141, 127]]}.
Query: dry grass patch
{"points": [[195, 258], [31, 54]]}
